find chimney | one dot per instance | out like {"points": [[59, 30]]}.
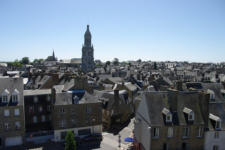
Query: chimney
{"points": [[204, 107], [179, 85], [172, 99], [116, 93]]}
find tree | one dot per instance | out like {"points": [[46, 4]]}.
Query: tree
{"points": [[155, 66], [37, 61], [139, 61], [107, 63], [15, 64], [25, 60], [115, 61], [70, 142]]}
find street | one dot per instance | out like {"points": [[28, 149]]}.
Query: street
{"points": [[111, 141]]}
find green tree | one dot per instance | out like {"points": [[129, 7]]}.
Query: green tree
{"points": [[16, 63], [139, 60], [37, 61], [70, 142], [115, 61], [107, 63], [25, 60], [155, 65]]}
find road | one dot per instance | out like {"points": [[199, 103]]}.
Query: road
{"points": [[111, 141]]}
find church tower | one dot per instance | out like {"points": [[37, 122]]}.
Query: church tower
{"points": [[88, 64]]}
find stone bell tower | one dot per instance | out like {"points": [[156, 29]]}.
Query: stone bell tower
{"points": [[88, 64]]}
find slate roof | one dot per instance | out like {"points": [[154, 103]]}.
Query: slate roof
{"points": [[153, 103], [108, 99], [63, 98], [130, 86], [88, 98]]}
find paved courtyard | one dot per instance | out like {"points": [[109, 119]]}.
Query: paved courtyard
{"points": [[111, 141]]}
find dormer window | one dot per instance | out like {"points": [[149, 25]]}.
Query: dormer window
{"points": [[211, 94], [168, 115], [216, 121], [189, 113], [191, 116], [5, 96], [169, 118], [15, 96], [218, 124]]}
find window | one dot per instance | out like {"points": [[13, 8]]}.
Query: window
{"points": [[88, 109], [155, 132], [189, 113], [35, 119], [16, 112], [84, 132], [218, 124], [73, 122], [35, 99], [62, 110], [200, 132], [191, 116], [216, 135], [185, 132], [170, 132], [62, 123], [43, 118], [169, 118], [6, 112], [6, 126], [40, 109], [5, 96], [212, 96], [17, 124], [215, 147], [49, 108], [14, 98], [31, 109], [48, 98]]}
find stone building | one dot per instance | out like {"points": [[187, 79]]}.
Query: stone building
{"points": [[82, 116], [11, 112], [215, 136], [37, 107], [171, 120], [88, 64]]}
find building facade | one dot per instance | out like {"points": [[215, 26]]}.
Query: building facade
{"points": [[12, 123], [88, 64], [37, 105], [171, 121], [70, 115]]}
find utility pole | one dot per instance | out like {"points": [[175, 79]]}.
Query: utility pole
{"points": [[119, 140]]}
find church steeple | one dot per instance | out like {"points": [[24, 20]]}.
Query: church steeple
{"points": [[53, 54], [88, 64], [87, 37]]}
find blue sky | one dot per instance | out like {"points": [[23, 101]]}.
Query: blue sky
{"points": [[157, 30]]}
